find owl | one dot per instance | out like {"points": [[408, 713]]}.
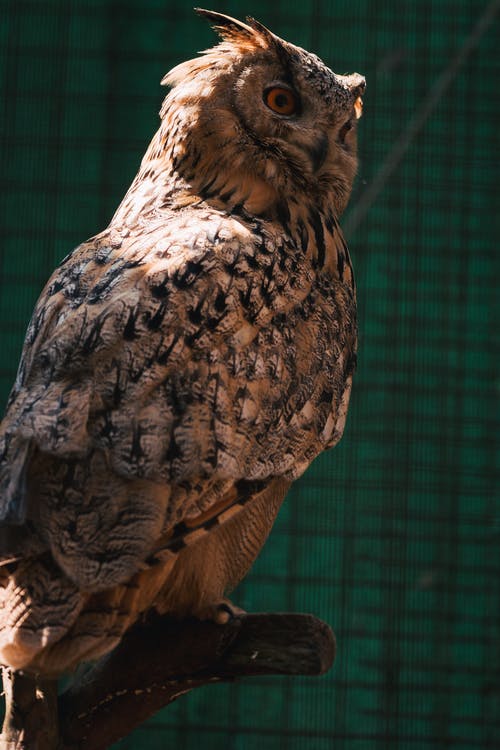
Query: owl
{"points": [[183, 367]]}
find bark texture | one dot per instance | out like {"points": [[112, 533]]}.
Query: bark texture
{"points": [[155, 663]]}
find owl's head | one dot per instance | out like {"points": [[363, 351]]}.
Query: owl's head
{"points": [[257, 119]]}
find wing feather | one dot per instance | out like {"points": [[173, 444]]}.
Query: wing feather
{"points": [[203, 358]]}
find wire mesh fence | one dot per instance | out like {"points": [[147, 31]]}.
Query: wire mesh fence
{"points": [[394, 537]]}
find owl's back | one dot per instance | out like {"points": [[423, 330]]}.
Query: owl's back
{"points": [[183, 367]]}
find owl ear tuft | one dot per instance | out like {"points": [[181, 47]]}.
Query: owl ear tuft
{"points": [[232, 30]]}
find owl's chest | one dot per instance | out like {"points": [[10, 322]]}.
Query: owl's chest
{"points": [[300, 341], [285, 384]]}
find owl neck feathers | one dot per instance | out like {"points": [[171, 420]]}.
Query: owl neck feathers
{"points": [[170, 179], [177, 172], [202, 164]]}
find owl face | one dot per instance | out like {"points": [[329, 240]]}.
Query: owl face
{"points": [[271, 111], [299, 111]]}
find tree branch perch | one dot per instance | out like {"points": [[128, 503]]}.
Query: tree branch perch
{"points": [[161, 659]]}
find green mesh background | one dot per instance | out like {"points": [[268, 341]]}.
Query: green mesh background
{"points": [[394, 537]]}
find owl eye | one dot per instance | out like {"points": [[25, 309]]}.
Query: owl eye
{"points": [[282, 101]]}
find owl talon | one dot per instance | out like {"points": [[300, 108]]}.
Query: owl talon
{"points": [[224, 612]]}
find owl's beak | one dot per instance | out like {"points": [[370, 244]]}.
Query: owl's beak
{"points": [[356, 84]]}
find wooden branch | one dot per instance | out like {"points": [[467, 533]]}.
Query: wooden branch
{"points": [[30, 712], [158, 661]]}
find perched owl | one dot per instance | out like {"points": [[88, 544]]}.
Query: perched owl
{"points": [[183, 367]]}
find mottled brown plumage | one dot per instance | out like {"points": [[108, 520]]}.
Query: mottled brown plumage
{"points": [[187, 364]]}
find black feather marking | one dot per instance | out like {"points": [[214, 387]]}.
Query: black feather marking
{"points": [[304, 235], [319, 236], [160, 291], [283, 214], [136, 449], [93, 337], [177, 543], [103, 286], [55, 287], [118, 391], [340, 264], [330, 226], [326, 397], [193, 337], [220, 302], [318, 151], [227, 195], [183, 278], [239, 210], [252, 261], [129, 333], [195, 313], [102, 255], [107, 430], [162, 358], [173, 451], [206, 191], [155, 321]]}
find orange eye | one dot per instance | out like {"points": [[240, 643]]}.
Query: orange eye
{"points": [[282, 101]]}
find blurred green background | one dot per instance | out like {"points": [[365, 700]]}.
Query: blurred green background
{"points": [[394, 537]]}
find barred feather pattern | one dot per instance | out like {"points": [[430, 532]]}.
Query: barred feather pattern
{"points": [[180, 371]]}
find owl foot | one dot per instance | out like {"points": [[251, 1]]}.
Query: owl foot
{"points": [[223, 612]]}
